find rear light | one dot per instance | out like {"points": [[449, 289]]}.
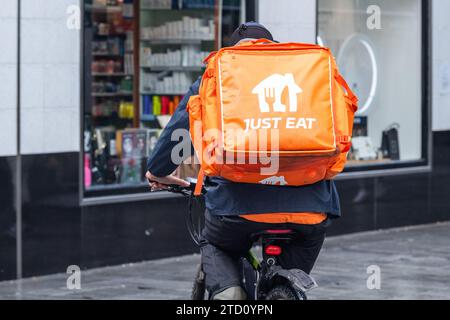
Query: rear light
{"points": [[273, 250], [279, 231]]}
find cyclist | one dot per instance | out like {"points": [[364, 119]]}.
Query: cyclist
{"points": [[234, 211]]}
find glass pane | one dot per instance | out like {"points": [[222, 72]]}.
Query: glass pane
{"points": [[141, 57], [175, 38], [377, 44]]}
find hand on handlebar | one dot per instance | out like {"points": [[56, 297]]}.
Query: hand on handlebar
{"points": [[161, 183]]}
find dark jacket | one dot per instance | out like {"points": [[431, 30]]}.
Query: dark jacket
{"points": [[224, 197]]}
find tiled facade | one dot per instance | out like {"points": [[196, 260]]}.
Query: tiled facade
{"points": [[59, 231], [8, 77]]}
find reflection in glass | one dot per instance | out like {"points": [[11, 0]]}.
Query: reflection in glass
{"points": [[384, 68]]}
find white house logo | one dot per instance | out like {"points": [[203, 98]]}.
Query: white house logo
{"points": [[273, 87]]}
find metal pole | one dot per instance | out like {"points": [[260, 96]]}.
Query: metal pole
{"points": [[219, 24]]}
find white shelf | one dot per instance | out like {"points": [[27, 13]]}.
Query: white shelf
{"points": [[112, 94], [148, 93], [175, 41], [174, 68], [209, 8], [104, 8], [118, 74], [155, 9], [106, 54]]}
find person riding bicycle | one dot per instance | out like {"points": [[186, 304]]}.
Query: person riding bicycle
{"points": [[235, 211]]}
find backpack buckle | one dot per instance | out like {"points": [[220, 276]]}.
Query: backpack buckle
{"points": [[210, 72]]}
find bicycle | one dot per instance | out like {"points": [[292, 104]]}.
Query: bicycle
{"points": [[262, 279]]}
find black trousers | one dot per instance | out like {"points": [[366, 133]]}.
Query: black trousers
{"points": [[225, 239]]}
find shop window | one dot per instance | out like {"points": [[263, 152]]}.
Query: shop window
{"points": [[378, 46], [140, 58]]}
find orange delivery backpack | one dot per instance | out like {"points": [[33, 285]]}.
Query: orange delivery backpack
{"points": [[272, 113]]}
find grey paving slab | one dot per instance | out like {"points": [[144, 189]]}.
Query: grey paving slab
{"points": [[414, 264]]}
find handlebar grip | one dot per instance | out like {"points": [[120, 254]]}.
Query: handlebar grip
{"points": [[179, 189]]}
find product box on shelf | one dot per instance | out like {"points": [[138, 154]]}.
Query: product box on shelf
{"points": [[159, 105], [131, 172], [188, 28], [152, 139]]}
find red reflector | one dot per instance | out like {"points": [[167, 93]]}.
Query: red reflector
{"points": [[279, 231], [273, 250]]}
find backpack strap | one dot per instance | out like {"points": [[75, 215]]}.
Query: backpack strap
{"points": [[352, 98], [199, 185]]}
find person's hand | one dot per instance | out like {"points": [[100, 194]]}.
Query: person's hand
{"points": [[161, 183]]}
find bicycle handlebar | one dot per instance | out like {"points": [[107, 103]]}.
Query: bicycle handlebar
{"points": [[186, 191]]}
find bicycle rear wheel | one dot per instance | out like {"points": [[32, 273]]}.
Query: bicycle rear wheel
{"points": [[285, 292]]}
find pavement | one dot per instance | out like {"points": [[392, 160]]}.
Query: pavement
{"points": [[413, 263]]}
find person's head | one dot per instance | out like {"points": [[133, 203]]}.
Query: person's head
{"points": [[250, 31]]}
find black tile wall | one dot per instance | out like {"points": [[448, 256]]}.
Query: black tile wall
{"points": [[7, 218], [440, 177], [130, 232], [51, 213], [357, 199], [402, 200]]}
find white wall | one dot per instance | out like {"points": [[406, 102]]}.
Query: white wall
{"points": [[289, 20], [50, 78], [8, 77], [441, 65]]}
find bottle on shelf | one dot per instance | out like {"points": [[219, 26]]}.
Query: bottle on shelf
{"points": [[87, 171]]}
